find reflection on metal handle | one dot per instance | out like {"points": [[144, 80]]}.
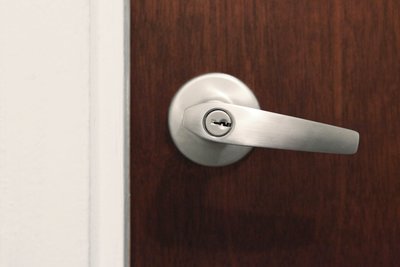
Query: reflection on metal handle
{"points": [[257, 128]]}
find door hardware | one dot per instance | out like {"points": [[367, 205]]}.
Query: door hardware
{"points": [[215, 120]]}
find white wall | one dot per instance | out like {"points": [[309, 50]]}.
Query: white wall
{"points": [[55, 180]]}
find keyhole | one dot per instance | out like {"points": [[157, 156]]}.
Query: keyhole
{"points": [[223, 123], [217, 122]]}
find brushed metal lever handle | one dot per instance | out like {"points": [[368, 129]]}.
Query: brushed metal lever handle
{"points": [[258, 128], [215, 120]]}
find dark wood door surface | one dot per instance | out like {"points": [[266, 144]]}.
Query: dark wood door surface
{"points": [[333, 61]]}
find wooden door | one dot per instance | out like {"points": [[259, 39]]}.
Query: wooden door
{"points": [[336, 62]]}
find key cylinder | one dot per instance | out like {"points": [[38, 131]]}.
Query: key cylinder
{"points": [[217, 122]]}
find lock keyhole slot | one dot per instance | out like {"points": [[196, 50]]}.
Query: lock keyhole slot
{"points": [[217, 122], [223, 123]]}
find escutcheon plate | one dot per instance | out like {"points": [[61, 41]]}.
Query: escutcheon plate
{"points": [[218, 87]]}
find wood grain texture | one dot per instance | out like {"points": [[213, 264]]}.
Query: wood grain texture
{"points": [[336, 62]]}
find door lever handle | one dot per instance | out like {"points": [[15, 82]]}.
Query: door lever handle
{"points": [[215, 120], [237, 125]]}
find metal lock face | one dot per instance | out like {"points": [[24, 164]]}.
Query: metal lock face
{"points": [[217, 122]]}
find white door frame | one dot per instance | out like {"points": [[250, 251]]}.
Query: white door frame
{"points": [[64, 133], [110, 198]]}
